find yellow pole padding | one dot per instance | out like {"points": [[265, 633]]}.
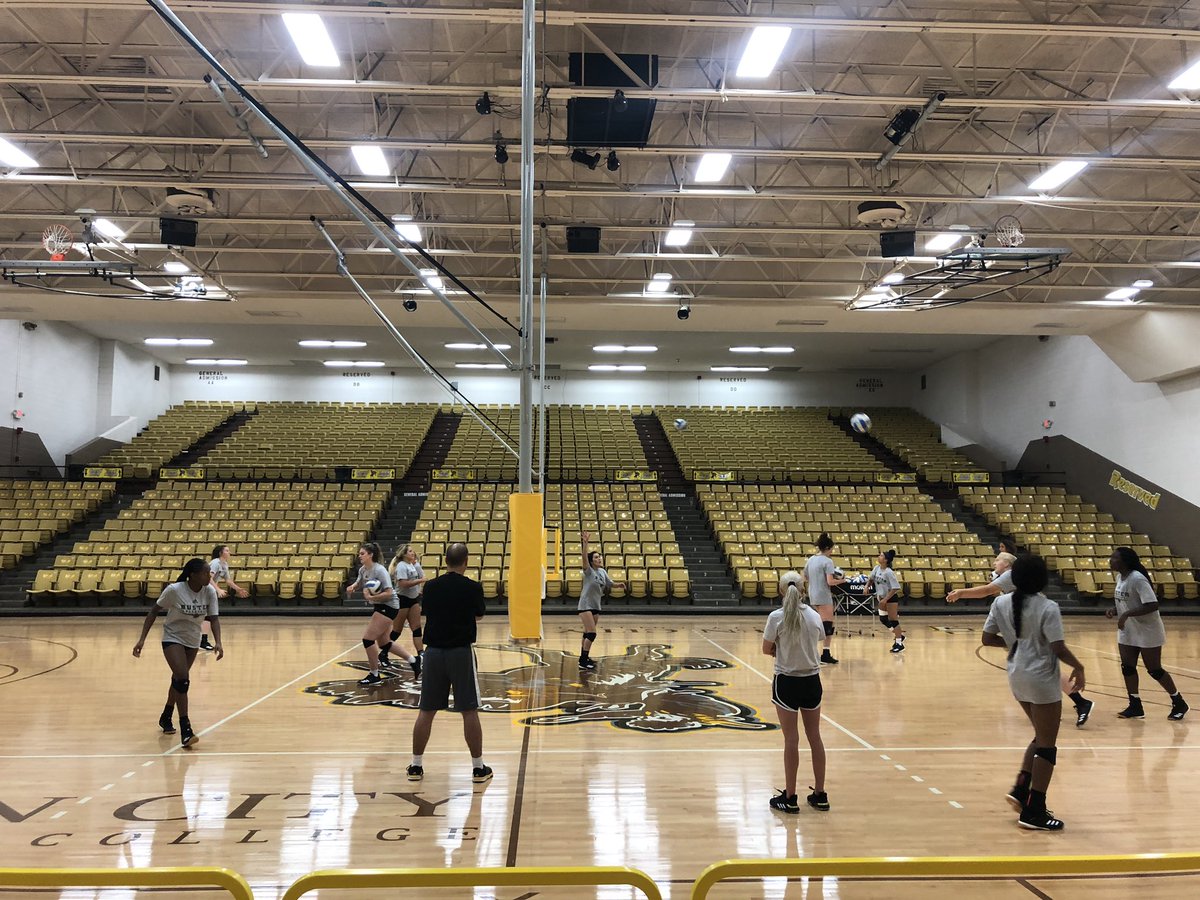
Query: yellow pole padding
{"points": [[162, 877], [943, 866], [376, 879], [527, 565]]}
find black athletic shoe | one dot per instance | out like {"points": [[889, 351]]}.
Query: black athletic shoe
{"points": [[168, 727], [1039, 820], [1132, 711], [781, 802], [384, 660], [416, 666], [819, 800], [187, 737], [416, 773], [371, 680], [1018, 797], [1082, 711], [827, 659], [1179, 709], [481, 775], [588, 663], [205, 644], [898, 646]]}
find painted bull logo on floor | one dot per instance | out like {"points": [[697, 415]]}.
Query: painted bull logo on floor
{"points": [[637, 691]]}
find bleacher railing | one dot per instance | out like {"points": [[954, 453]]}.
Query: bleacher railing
{"points": [[570, 876], [163, 877]]}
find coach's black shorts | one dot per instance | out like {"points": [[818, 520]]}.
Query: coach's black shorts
{"points": [[797, 692], [446, 671], [384, 610]]}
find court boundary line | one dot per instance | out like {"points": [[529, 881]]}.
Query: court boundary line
{"points": [[177, 748], [764, 677]]}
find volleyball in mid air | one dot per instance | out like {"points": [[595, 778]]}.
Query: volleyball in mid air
{"points": [[680, 424], [860, 422]]}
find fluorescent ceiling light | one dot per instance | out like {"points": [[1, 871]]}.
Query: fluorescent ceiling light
{"points": [[480, 366], [176, 268], [762, 51], [660, 283], [1187, 80], [216, 362], [324, 343], [1058, 175], [432, 278], [762, 349], [108, 229], [370, 159], [1143, 283], [606, 367], [892, 278], [408, 229], [1121, 294], [353, 363], [178, 342], [311, 39], [679, 234], [712, 167], [621, 348], [13, 156], [943, 241], [460, 346], [738, 369]]}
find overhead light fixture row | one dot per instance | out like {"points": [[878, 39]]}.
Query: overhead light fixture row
{"points": [[312, 39]]}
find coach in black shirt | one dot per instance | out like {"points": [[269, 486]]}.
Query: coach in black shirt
{"points": [[452, 604]]}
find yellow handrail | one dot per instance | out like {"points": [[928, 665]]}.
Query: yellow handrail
{"points": [[187, 876], [519, 877], [554, 573], [945, 866]]}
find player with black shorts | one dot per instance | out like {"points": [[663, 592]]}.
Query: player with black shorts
{"points": [[376, 586], [821, 576], [407, 578], [793, 637], [453, 606]]}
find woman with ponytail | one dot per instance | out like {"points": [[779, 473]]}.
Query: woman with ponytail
{"points": [[1140, 632], [821, 575], [1030, 626], [187, 603], [793, 637]]}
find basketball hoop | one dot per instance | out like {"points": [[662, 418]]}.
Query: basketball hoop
{"points": [[1008, 232], [57, 239]]}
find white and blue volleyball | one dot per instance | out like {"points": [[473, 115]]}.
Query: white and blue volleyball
{"points": [[680, 424], [860, 422]]}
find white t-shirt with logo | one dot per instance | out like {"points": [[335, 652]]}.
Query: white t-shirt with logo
{"points": [[186, 611], [885, 581], [1133, 592], [375, 572], [218, 569], [406, 571], [797, 652]]}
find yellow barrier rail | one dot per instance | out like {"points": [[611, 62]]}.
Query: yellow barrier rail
{"points": [[943, 866], [188, 876], [570, 876]]}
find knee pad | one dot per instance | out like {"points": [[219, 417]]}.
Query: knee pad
{"points": [[1128, 670], [1049, 754], [1157, 674], [394, 635], [416, 632], [893, 623], [589, 635], [828, 629], [367, 642], [180, 685]]}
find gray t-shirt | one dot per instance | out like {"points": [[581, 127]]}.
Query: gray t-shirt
{"points": [[1133, 592], [1004, 581], [815, 572], [218, 569], [186, 611], [1033, 669], [406, 571], [374, 571], [797, 652], [595, 583], [885, 581]]}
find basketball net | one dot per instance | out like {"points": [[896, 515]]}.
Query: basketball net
{"points": [[57, 240]]}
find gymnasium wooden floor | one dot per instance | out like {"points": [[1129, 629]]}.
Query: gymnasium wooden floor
{"points": [[298, 769]]}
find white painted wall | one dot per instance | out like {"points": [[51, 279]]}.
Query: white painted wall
{"points": [[682, 389], [998, 397]]}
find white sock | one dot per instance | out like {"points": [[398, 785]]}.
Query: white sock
{"points": [[418, 760], [476, 762], [374, 671], [410, 659]]}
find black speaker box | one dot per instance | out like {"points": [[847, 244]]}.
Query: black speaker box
{"points": [[177, 232], [897, 243], [583, 238]]}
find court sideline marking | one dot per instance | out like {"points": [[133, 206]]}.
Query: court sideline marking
{"points": [[826, 718]]}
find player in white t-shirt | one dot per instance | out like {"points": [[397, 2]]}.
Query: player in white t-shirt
{"points": [[886, 587], [793, 637], [187, 603], [218, 566], [376, 586], [1029, 625], [1140, 632], [821, 576], [407, 580]]}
